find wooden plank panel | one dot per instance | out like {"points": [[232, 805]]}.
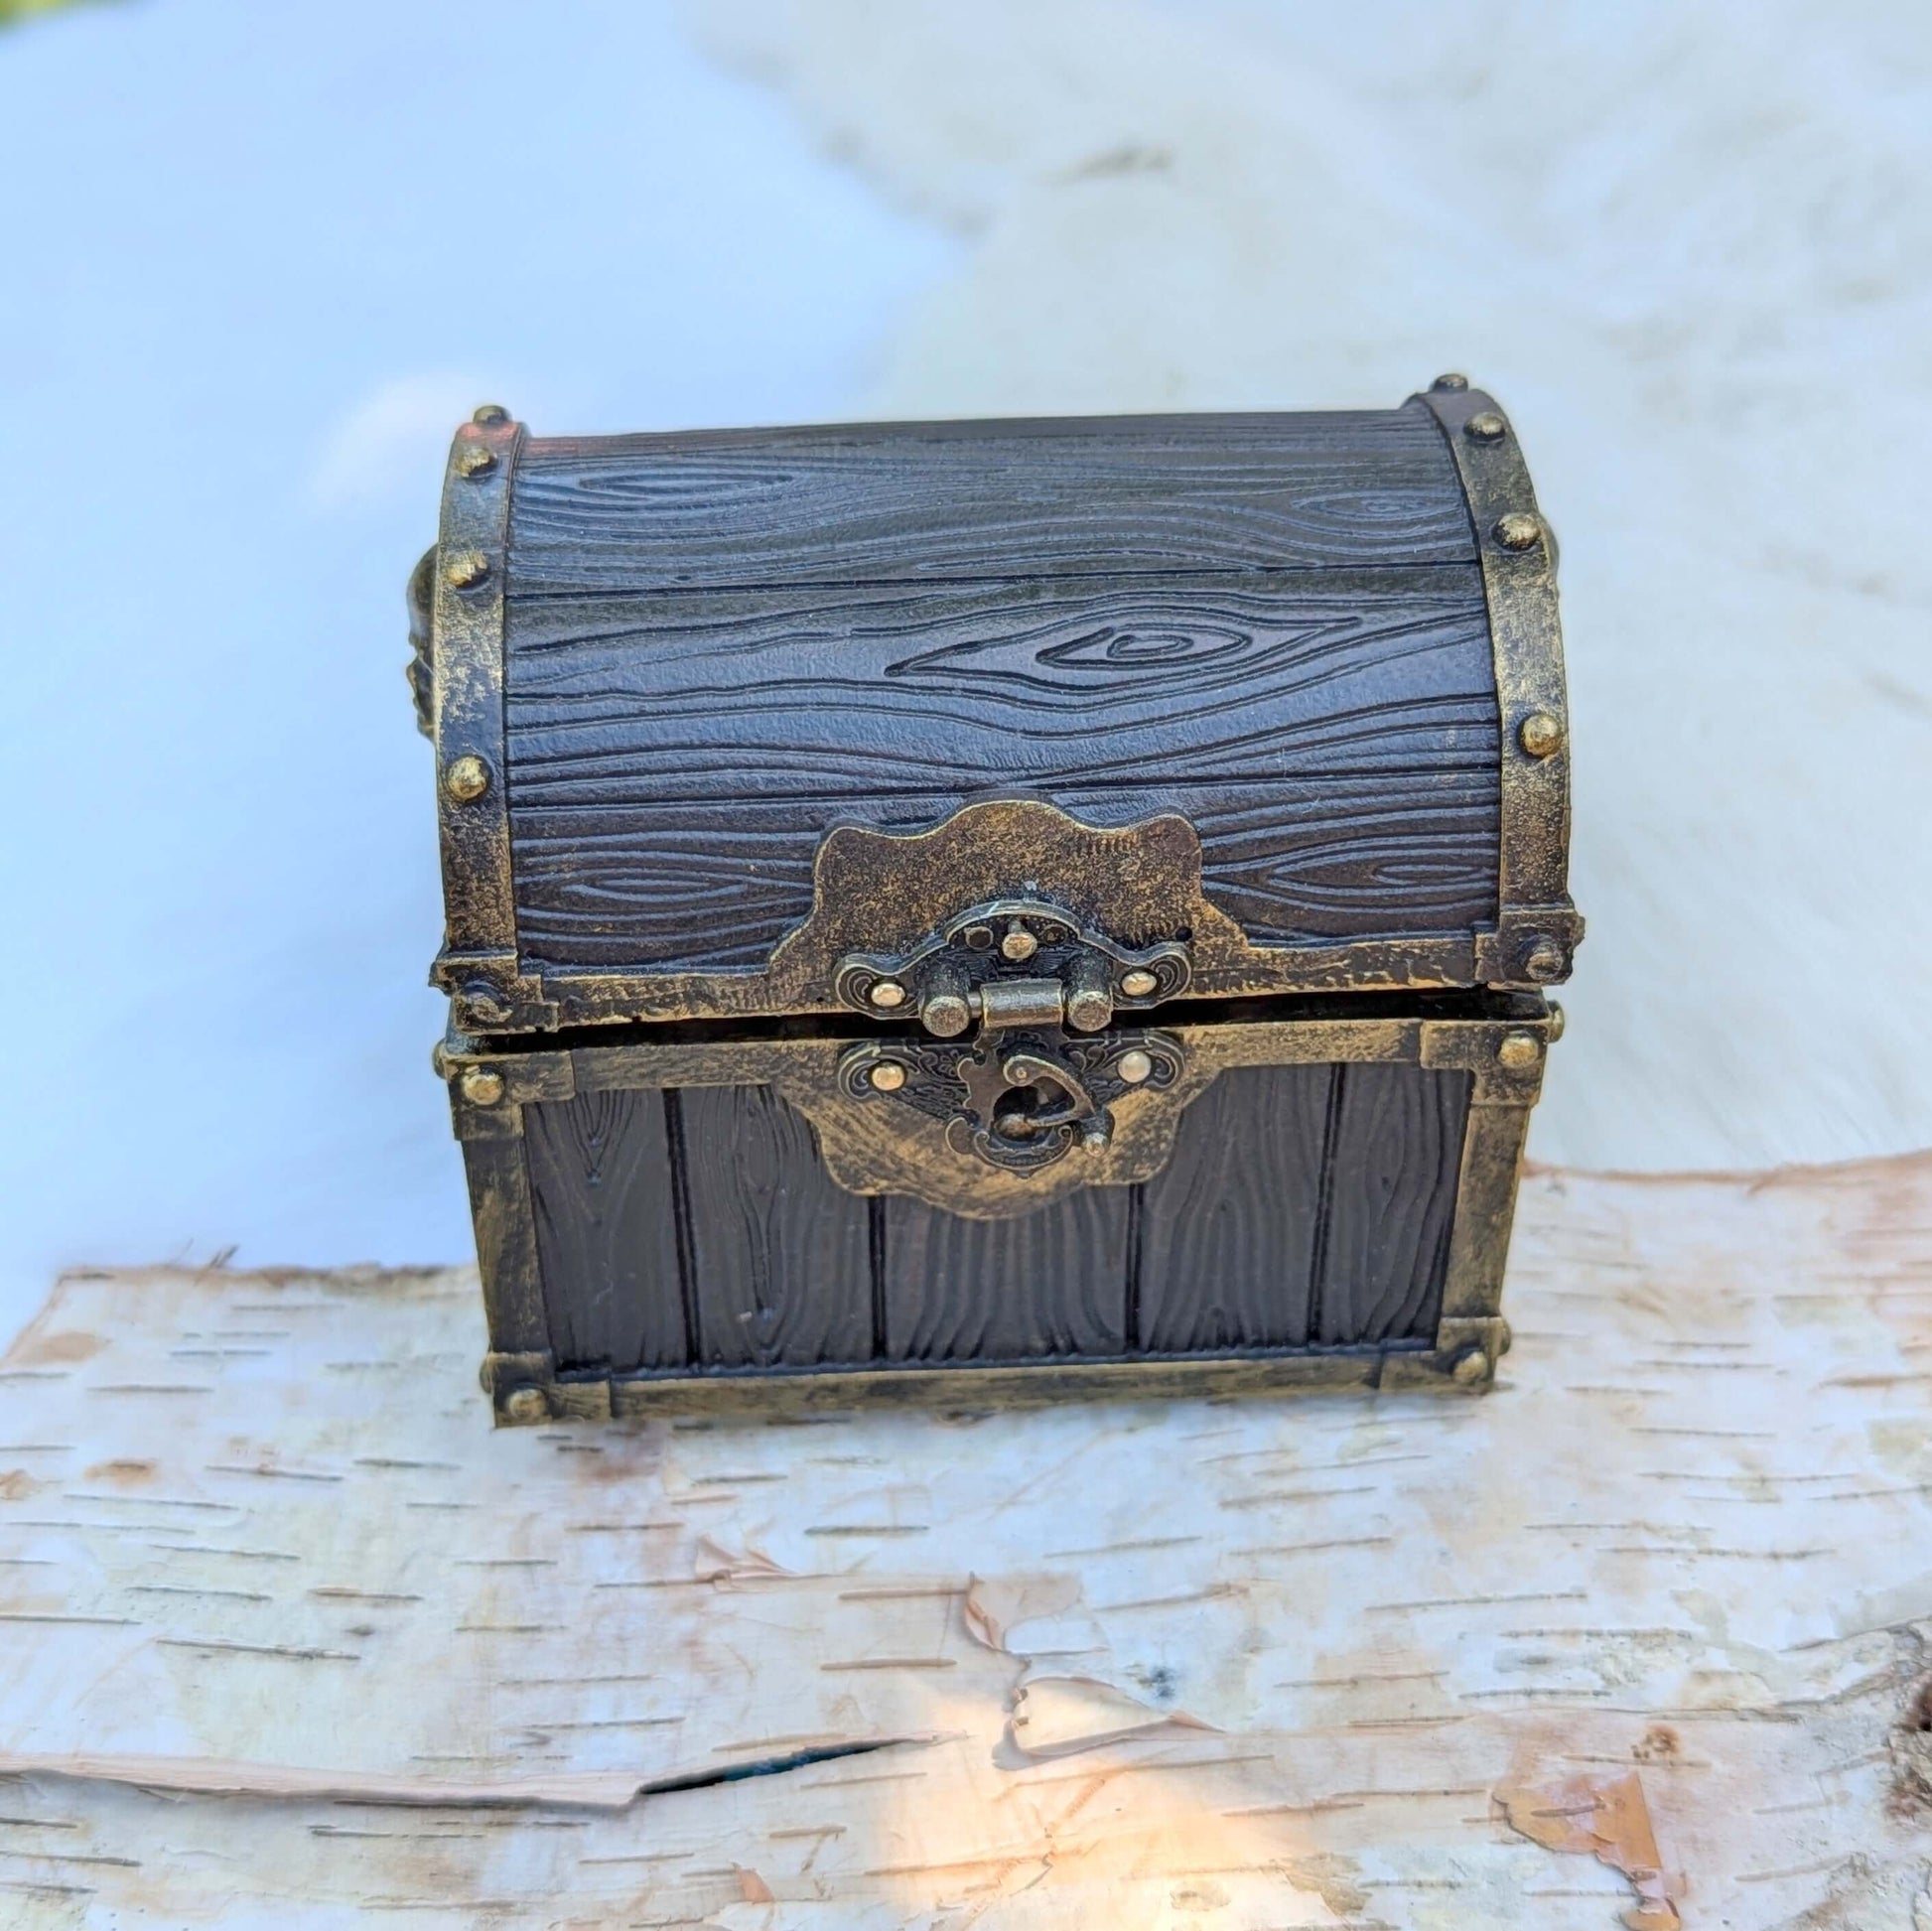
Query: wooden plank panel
{"points": [[1394, 1153], [780, 1257], [675, 764], [1227, 1237], [717, 885], [934, 501], [1046, 1284], [601, 1190]]}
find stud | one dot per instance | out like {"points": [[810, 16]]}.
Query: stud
{"points": [[1540, 734], [1486, 426], [465, 569], [1135, 1066], [467, 778], [888, 995], [1518, 530], [1139, 984], [482, 1086], [887, 1076]]}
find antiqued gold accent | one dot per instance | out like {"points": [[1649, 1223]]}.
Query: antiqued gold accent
{"points": [[482, 1086], [1546, 962], [479, 964], [887, 1076], [1088, 1008], [1518, 529], [1018, 944], [945, 1013], [888, 994], [1472, 1367], [472, 458], [1451, 381], [1133, 1067], [466, 569], [1526, 642], [467, 778], [872, 1142], [524, 1406], [1519, 1052], [490, 415], [1486, 426], [1557, 1022], [1137, 984], [1540, 734]]}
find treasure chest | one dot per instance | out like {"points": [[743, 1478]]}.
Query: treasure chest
{"points": [[970, 910]]}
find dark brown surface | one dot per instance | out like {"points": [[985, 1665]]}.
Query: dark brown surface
{"points": [[708, 1209], [1395, 1151], [899, 502], [1050, 1283], [779, 1256], [606, 1236], [676, 760], [1227, 1242]]}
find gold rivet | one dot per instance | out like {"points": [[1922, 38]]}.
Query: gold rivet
{"points": [[946, 1014], [1451, 381], [1518, 530], [887, 1076], [888, 993], [472, 458], [465, 569], [1018, 945], [1518, 1051], [467, 778], [482, 1086], [1089, 1009], [1557, 1022], [1540, 734], [1486, 426], [491, 415], [527, 1405], [1139, 984], [1545, 961], [1472, 1367], [1135, 1066]]}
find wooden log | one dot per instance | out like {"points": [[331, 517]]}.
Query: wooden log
{"points": [[287, 1633]]}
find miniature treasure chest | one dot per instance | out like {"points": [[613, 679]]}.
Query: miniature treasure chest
{"points": [[974, 910]]}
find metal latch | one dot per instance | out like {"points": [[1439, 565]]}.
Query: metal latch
{"points": [[1026, 1090]]}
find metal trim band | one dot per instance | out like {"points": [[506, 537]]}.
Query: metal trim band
{"points": [[1537, 926], [479, 963]]}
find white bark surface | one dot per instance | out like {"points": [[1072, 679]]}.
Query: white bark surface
{"points": [[292, 1638]]}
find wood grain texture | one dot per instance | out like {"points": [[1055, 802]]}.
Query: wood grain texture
{"points": [[675, 761], [898, 502], [601, 1188], [1052, 1282], [1229, 1228], [780, 1257], [1395, 1148]]}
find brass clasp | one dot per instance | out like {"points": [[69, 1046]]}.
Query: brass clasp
{"points": [[1023, 1092]]}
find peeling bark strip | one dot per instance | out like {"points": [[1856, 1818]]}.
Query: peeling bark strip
{"points": [[610, 1790], [1607, 1817]]}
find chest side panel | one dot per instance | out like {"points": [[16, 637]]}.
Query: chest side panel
{"points": [[674, 760], [938, 502]]}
